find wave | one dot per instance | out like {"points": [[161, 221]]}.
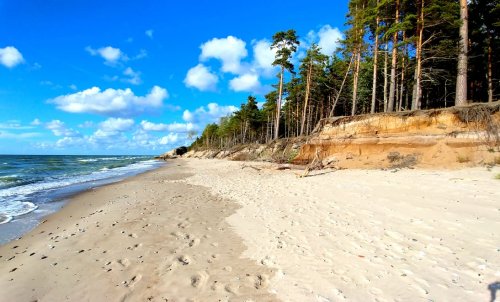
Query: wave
{"points": [[16, 201]]}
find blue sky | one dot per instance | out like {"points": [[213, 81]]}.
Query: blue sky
{"points": [[137, 77]]}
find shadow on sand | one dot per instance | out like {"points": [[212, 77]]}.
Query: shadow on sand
{"points": [[494, 287]]}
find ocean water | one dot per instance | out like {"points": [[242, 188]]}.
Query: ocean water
{"points": [[31, 183]]}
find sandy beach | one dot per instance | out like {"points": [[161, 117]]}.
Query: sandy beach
{"points": [[217, 230]]}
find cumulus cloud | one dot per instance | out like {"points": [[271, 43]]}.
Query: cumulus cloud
{"points": [[246, 82], [201, 78], [209, 114], [58, 128], [110, 54], [171, 138], [264, 57], [10, 57], [149, 33], [173, 127], [228, 50], [116, 125], [110, 102], [327, 38]]}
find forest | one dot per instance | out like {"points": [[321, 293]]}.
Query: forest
{"points": [[396, 55]]}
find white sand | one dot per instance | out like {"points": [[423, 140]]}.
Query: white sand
{"points": [[366, 235]]}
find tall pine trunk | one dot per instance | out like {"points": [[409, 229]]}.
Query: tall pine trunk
{"points": [[461, 88], [308, 88], [355, 82], [375, 56], [392, 88], [403, 70], [417, 99], [278, 105], [490, 72], [386, 62]]}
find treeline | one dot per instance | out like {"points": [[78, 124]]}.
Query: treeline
{"points": [[397, 55]]}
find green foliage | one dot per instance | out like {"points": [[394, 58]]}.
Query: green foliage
{"points": [[285, 43], [440, 35]]}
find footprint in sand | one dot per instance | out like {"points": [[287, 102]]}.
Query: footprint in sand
{"points": [[134, 247], [133, 281], [124, 262], [199, 279], [183, 225], [231, 288], [132, 235], [261, 281], [194, 242], [185, 260]]}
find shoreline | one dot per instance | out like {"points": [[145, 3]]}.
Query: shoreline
{"points": [[149, 237], [58, 197]]}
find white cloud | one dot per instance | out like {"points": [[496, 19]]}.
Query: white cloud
{"points": [[10, 57], [66, 142], [171, 138], [211, 114], [58, 128], [14, 124], [229, 50], [201, 78], [110, 54], [134, 77], [116, 125], [36, 122], [264, 57], [73, 87], [149, 33], [328, 39], [111, 102], [246, 82], [173, 127]]}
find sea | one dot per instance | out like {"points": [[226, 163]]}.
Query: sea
{"points": [[33, 186]]}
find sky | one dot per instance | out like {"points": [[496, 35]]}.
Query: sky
{"points": [[140, 77]]}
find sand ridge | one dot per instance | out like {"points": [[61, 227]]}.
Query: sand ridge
{"points": [[151, 238]]}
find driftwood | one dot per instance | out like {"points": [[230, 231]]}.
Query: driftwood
{"points": [[316, 164], [248, 166]]}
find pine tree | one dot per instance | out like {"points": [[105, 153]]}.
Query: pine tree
{"points": [[285, 44], [461, 84]]}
